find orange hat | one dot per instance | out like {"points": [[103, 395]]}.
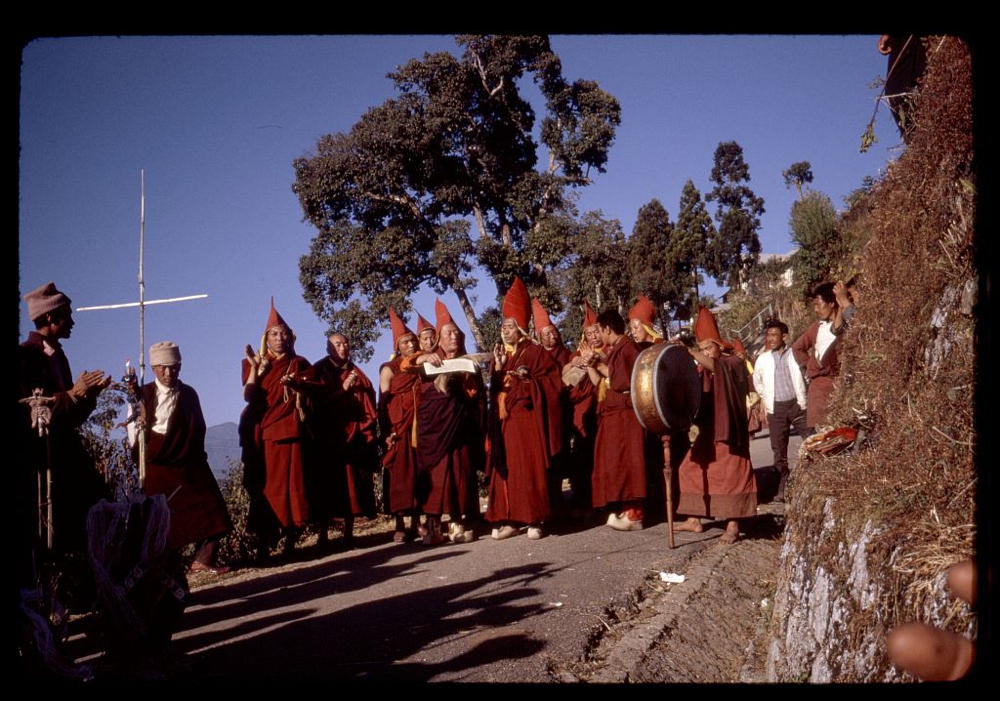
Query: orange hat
{"points": [[643, 310], [442, 314], [738, 347], [422, 324], [589, 315], [517, 303], [274, 319], [706, 329], [398, 326], [539, 316]]}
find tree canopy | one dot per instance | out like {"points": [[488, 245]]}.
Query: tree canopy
{"points": [[798, 174], [395, 198], [650, 269], [692, 233], [813, 223], [594, 270], [736, 245]]}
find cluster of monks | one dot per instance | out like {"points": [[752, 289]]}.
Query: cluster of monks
{"points": [[314, 434]]}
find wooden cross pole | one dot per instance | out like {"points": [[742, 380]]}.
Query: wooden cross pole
{"points": [[142, 304]]}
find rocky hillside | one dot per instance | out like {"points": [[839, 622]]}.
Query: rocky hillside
{"points": [[869, 536]]}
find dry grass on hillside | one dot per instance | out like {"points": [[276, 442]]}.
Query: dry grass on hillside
{"points": [[909, 356]]}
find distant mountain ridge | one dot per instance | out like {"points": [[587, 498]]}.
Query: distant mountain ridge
{"points": [[222, 443]]}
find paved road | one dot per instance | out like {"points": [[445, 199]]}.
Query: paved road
{"points": [[486, 611]]}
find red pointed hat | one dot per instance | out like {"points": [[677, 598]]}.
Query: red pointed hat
{"points": [[738, 347], [706, 329], [442, 314], [422, 324], [399, 329], [517, 303], [589, 315], [643, 310], [274, 319], [539, 315]]}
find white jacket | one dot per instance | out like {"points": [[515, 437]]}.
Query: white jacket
{"points": [[763, 379]]}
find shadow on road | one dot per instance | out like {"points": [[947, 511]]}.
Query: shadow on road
{"points": [[285, 626]]}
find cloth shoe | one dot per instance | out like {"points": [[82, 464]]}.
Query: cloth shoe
{"points": [[534, 533], [461, 534], [504, 532], [623, 523]]}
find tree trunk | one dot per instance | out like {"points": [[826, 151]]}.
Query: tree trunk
{"points": [[470, 316]]}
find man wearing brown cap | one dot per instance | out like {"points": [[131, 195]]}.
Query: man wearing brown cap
{"points": [[176, 462], [49, 440]]}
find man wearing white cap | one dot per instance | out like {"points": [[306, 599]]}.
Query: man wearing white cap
{"points": [[176, 462]]}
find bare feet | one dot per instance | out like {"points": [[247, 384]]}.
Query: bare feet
{"points": [[732, 533], [692, 525]]}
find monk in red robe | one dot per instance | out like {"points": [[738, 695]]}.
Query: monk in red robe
{"points": [[426, 335], [641, 318], [273, 435], [619, 481], [525, 423], [344, 424], [450, 449], [548, 336], [582, 396], [715, 477], [397, 407], [176, 462]]}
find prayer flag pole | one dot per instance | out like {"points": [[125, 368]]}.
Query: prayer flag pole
{"points": [[142, 304]]}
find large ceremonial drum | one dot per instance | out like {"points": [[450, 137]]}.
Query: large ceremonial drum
{"points": [[666, 388]]}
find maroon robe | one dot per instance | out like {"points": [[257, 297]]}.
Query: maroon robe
{"points": [[345, 455], [177, 467], [450, 449], [397, 410], [525, 435], [619, 451], [77, 484], [582, 426], [715, 477], [820, 373], [272, 430]]}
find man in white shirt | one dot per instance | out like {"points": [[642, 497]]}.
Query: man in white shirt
{"points": [[778, 380]]}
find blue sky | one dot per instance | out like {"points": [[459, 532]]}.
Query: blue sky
{"points": [[216, 122]]}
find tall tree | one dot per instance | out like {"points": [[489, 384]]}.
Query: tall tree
{"points": [[813, 225], [692, 232], [736, 245], [798, 174], [650, 268], [594, 270], [456, 144]]}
